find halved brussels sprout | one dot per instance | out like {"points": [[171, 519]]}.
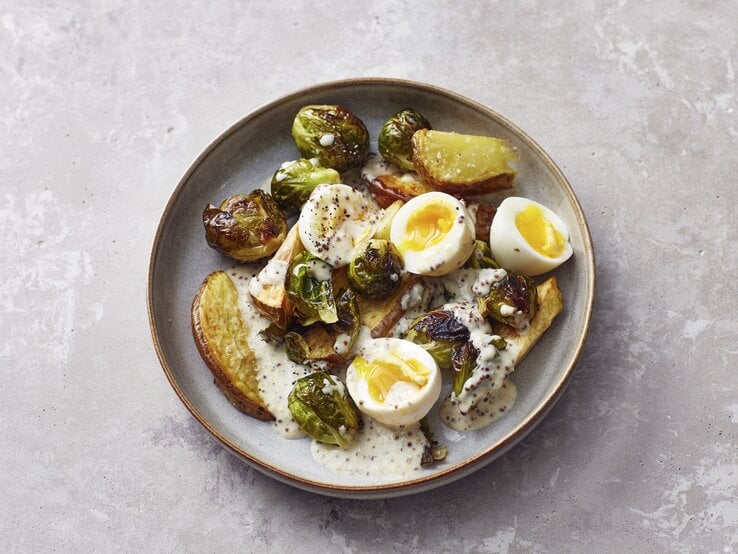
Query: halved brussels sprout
{"points": [[310, 289], [512, 301], [438, 332], [481, 257], [397, 132], [246, 227], [463, 362], [332, 134], [323, 409], [375, 270], [294, 181]]}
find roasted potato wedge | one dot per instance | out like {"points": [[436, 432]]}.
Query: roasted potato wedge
{"points": [[550, 304], [221, 336], [463, 165], [271, 298]]}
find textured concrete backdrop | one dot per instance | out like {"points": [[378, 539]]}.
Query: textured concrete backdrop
{"points": [[103, 105]]}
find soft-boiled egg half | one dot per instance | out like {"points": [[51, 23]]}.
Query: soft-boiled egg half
{"points": [[433, 233], [527, 237], [394, 381], [334, 220]]}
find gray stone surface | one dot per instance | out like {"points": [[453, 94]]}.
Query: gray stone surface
{"points": [[103, 105]]}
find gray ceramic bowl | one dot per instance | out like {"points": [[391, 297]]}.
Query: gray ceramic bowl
{"points": [[244, 157]]}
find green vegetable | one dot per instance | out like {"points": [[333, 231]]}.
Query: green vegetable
{"points": [[438, 332], [246, 227], [481, 257], [349, 322], [294, 181], [375, 269], [323, 409], [310, 289], [432, 452], [332, 134], [394, 138], [463, 362], [516, 292]]}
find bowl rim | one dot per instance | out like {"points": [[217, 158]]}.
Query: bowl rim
{"points": [[452, 472]]}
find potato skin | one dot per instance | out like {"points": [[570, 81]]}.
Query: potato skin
{"points": [[387, 189], [483, 221], [204, 310]]}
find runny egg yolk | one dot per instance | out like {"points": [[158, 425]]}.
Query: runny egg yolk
{"points": [[539, 233], [427, 226], [381, 374]]}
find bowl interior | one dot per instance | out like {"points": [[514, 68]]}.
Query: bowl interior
{"points": [[245, 157]]}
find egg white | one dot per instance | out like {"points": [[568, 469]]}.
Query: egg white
{"points": [[334, 220], [405, 404], [450, 252], [512, 251]]}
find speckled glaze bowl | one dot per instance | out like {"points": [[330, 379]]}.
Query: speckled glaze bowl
{"points": [[244, 157]]}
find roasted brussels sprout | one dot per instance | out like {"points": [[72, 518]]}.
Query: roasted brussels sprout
{"points": [[332, 134], [375, 270], [394, 138], [246, 227], [481, 257], [323, 409], [463, 362], [512, 301], [438, 332], [310, 289], [294, 181]]}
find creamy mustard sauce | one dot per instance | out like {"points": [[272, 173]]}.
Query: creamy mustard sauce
{"points": [[489, 409], [375, 450], [276, 372]]}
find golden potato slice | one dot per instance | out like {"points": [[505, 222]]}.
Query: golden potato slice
{"points": [[221, 337], [550, 304], [271, 298], [463, 165]]}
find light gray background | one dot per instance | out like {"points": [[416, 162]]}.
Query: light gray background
{"points": [[104, 105]]}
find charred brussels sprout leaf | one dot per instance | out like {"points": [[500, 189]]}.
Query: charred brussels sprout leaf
{"points": [[294, 181], [273, 335], [323, 409], [376, 269], [463, 362], [432, 452], [438, 332], [246, 227], [332, 134], [349, 322], [395, 136], [310, 289], [296, 348], [512, 301], [481, 257]]}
